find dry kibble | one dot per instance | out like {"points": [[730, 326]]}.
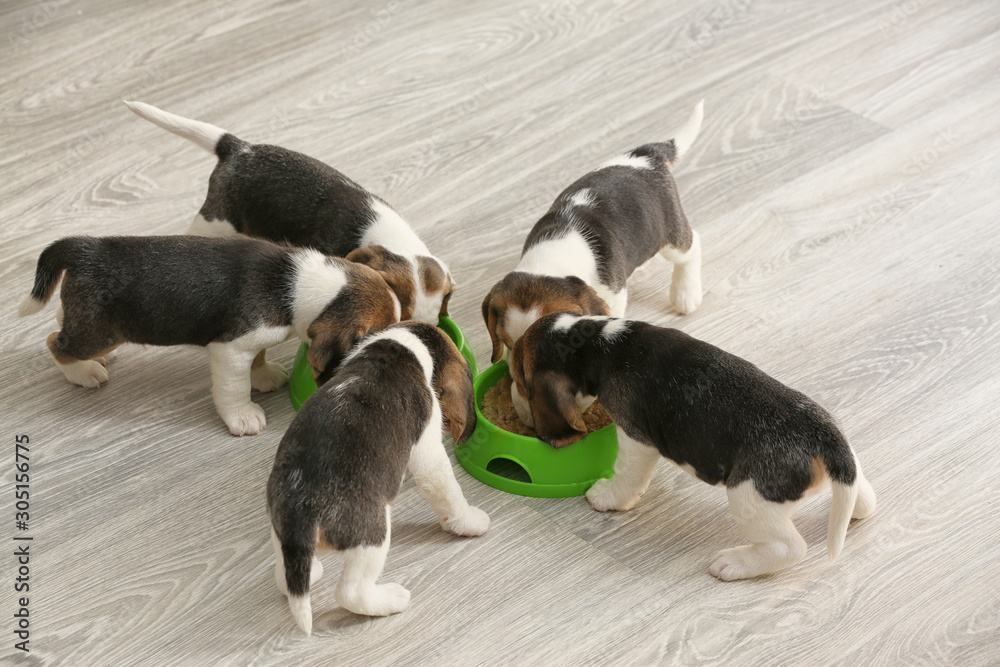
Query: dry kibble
{"points": [[499, 409]]}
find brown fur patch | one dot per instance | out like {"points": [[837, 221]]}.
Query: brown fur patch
{"points": [[395, 270], [62, 358], [819, 476], [435, 280], [259, 360], [365, 306], [526, 291]]}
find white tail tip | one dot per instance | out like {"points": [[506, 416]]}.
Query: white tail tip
{"points": [[29, 306], [203, 134], [684, 138], [302, 612]]}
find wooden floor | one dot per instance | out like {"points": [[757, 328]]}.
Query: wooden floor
{"points": [[846, 185]]}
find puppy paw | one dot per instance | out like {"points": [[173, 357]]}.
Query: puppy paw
{"points": [[248, 419], [107, 358], [603, 496], [731, 564], [268, 377], [381, 600], [316, 572], [90, 373], [470, 524], [685, 294]]}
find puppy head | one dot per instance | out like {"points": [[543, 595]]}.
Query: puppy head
{"points": [[549, 387], [436, 287], [396, 270], [452, 381], [365, 305], [520, 298]]}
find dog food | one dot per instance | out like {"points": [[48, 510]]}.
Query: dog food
{"points": [[499, 409]]}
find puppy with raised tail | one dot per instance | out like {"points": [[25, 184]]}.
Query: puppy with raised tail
{"points": [[235, 297], [341, 462], [277, 194], [718, 417], [580, 255]]}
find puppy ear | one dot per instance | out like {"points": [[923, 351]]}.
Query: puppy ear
{"points": [[558, 420], [456, 395], [590, 303], [491, 316], [395, 270], [329, 343]]}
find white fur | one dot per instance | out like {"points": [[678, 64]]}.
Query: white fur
{"points": [[392, 232], [203, 134], [517, 321], [268, 377], [218, 228], [521, 406], [426, 307], [232, 378], [583, 198], [90, 373], [29, 306], [357, 590], [684, 137], [634, 469], [627, 160], [613, 329], [317, 282], [685, 285]]}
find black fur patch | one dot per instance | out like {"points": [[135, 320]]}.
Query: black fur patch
{"points": [[170, 290], [278, 194], [697, 404]]}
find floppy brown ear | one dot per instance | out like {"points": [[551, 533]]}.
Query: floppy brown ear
{"points": [[492, 318], [456, 395], [329, 343], [558, 420], [395, 270], [590, 303]]}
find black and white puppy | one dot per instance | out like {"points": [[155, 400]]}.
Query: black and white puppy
{"points": [[236, 297], [580, 255], [277, 194], [718, 417], [341, 462]]}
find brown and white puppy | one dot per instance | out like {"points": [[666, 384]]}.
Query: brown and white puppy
{"points": [[718, 417], [277, 194], [580, 255], [341, 462], [237, 297]]}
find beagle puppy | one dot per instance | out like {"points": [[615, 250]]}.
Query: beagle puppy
{"points": [[235, 297], [718, 417], [580, 255], [341, 463], [277, 194]]}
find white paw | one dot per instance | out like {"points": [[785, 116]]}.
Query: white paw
{"points": [[603, 496], [381, 600], [731, 564], [685, 294], [316, 572], [248, 419], [88, 373], [268, 377], [473, 522], [107, 358]]}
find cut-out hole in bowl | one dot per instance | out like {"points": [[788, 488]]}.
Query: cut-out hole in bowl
{"points": [[509, 469]]}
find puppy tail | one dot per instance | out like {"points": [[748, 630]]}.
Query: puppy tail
{"points": [[684, 138], [51, 264], [844, 498], [298, 555], [205, 135]]}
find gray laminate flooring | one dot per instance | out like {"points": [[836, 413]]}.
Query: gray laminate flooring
{"points": [[845, 185]]}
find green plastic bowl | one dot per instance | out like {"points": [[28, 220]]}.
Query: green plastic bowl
{"points": [[302, 384], [550, 472]]}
